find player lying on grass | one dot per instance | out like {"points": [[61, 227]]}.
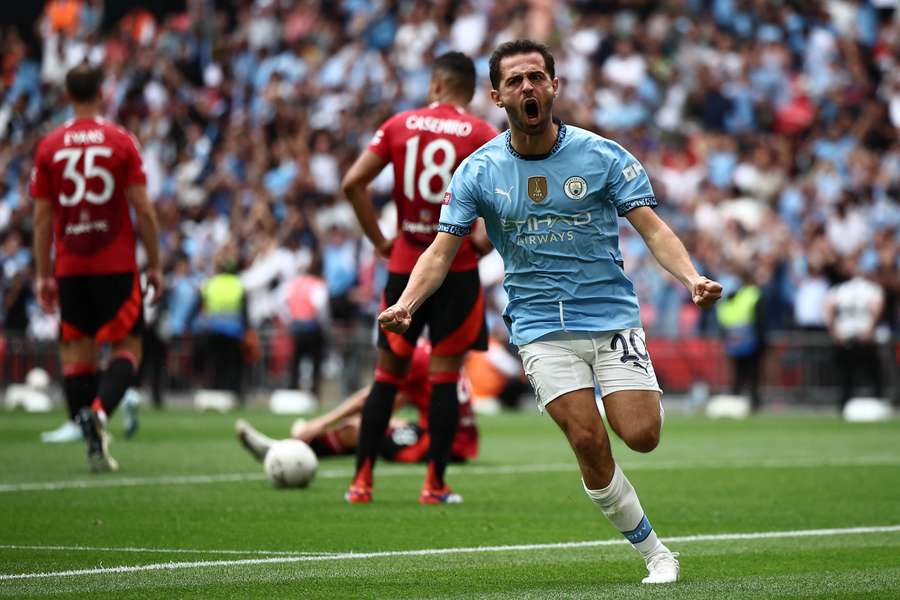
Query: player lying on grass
{"points": [[337, 431]]}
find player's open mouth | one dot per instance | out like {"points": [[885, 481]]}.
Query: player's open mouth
{"points": [[532, 108]]}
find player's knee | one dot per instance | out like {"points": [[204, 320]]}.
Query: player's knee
{"points": [[585, 441], [392, 363], [644, 438], [129, 347], [82, 350], [445, 364]]}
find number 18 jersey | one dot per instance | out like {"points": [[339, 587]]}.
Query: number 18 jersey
{"points": [[425, 146], [84, 168]]}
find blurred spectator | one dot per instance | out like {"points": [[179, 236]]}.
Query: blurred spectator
{"points": [[340, 267], [306, 302], [740, 315], [848, 229], [181, 299], [886, 273], [625, 68], [812, 289], [153, 358], [496, 377], [63, 16], [339, 257], [18, 299], [223, 323], [852, 312]]}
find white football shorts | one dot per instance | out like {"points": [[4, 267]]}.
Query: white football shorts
{"points": [[563, 361]]}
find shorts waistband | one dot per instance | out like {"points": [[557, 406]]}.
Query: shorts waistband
{"points": [[559, 336]]}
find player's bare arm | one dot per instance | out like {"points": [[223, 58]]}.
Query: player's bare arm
{"points": [[671, 254], [148, 229], [350, 407], [43, 238], [366, 168], [426, 278]]}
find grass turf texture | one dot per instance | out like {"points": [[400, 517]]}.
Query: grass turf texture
{"points": [[706, 478]]}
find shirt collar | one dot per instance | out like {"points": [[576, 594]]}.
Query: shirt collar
{"points": [[560, 136]]}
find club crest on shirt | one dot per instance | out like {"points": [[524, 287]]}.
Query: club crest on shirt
{"points": [[575, 187], [537, 188]]}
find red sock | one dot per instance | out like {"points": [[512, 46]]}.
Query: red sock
{"points": [[364, 477]]}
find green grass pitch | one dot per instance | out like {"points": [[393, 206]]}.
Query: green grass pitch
{"points": [[190, 515]]}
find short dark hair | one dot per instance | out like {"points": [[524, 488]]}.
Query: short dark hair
{"points": [[83, 82], [459, 71], [519, 47]]}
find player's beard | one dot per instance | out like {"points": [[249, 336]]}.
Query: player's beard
{"points": [[519, 118]]}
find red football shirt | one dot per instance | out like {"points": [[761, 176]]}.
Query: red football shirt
{"points": [[84, 168], [418, 389], [425, 146]]}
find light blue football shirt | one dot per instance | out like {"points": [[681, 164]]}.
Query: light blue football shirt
{"points": [[553, 219]]}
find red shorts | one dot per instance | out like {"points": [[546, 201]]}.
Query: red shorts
{"points": [[104, 307], [454, 315]]}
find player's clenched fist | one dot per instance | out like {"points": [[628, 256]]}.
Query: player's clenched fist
{"points": [[395, 318], [705, 292]]}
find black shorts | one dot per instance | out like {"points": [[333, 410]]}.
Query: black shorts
{"points": [[104, 307], [454, 315]]}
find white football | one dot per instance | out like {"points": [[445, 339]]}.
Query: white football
{"points": [[290, 463]]}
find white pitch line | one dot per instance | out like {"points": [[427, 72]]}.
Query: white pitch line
{"points": [[42, 486], [162, 550], [392, 471], [398, 471], [172, 566]]}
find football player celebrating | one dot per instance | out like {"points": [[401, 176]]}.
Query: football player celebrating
{"points": [[572, 312]]}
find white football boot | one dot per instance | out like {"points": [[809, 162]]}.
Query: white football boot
{"points": [[662, 567], [67, 432], [131, 401]]}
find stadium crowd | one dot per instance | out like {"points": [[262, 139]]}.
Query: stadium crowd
{"points": [[769, 130]]}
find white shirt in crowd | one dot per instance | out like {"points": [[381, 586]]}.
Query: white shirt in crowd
{"points": [[625, 70], [848, 234], [809, 305], [857, 305]]}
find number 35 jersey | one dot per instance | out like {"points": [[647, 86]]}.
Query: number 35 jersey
{"points": [[425, 146], [84, 168]]}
